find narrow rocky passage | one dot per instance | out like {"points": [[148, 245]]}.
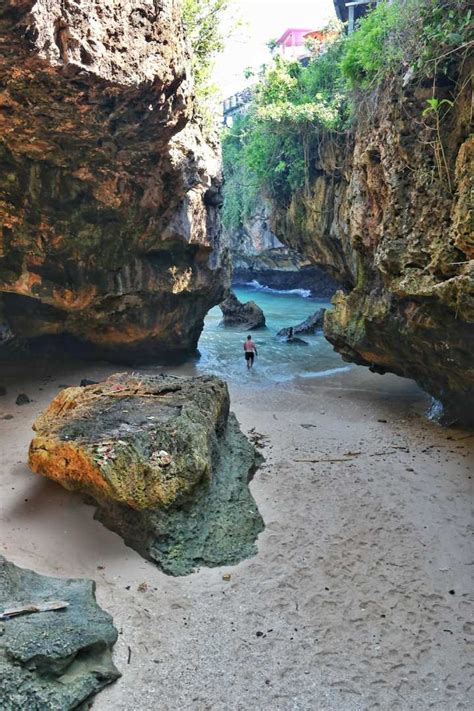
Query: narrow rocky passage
{"points": [[358, 596], [121, 220]]}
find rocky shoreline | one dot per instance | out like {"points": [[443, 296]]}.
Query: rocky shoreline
{"points": [[311, 279]]}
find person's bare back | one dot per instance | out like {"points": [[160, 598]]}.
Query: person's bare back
{"points": [[250, 350]]}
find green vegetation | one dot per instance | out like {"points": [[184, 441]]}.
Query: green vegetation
{"points": [[202, 21], [272, 148], [403, 34]]}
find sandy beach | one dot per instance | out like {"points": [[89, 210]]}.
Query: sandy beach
{"points": [[358, 597]]}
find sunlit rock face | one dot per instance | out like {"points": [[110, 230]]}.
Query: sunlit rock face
{"points": [[108, 189], [163, 459], [258, 255], [382, 218]]}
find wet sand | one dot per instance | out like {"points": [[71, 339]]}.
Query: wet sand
{"points": [[359, 595]]}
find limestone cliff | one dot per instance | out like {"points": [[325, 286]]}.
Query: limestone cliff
{"points": [[257, 254], [108, 189], [393, 226]]}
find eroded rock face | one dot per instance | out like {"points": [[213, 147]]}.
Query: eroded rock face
{"points": [[248, 316], [166, 466], [107, 186], [310, 325], [255, 235], [382, 219], [106, 439], [56, 659], [258, 255]]}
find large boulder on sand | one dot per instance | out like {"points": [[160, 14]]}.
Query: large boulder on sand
{"points": [[248, 316], [310, 325], [137, 441], [55, 659], [164, 461]]}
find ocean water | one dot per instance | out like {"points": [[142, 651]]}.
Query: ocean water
{"points": [[222, 352]]}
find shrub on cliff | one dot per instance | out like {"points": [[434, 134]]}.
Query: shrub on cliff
{"points": [[273, 148], [398, 35]]}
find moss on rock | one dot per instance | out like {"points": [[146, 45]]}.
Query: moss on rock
{"points": [[52, 660], [166, 465]]}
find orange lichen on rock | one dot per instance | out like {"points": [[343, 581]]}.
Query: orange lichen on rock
{"points": [[24, 284], [74, 300], [139, 441], [67, 464]]}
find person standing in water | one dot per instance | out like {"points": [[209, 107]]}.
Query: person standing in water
{"points": [[250, 350]]}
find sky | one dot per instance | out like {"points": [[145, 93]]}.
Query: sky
{"points": [[262, 21]]}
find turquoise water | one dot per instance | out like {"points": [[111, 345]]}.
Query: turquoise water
{"points": [[222, 348]]}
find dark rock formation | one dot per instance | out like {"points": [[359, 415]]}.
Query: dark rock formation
{"points": [[257, 254], [295, 341], [282, 269], [52, 660], [86, 381], [310, 325], [22, 399], [108, 189], [381, 217], [246, 316], [163, 461]]}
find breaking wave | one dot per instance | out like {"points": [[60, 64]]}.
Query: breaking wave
{"points": [[304, 293]]}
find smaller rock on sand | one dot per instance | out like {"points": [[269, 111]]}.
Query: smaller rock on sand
{"points": [[55, 659]]}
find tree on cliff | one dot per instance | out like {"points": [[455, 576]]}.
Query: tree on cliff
{"points": [[273, 147], [203, 22]]}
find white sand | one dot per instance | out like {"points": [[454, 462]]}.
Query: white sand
{"points": [[350, 586]]}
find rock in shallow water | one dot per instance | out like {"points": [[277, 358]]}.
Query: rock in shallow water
{"points": [[247, 316], [310, 325], [52, 660], [167, 466]]}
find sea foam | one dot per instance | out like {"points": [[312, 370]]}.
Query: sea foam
{"points": [[324, 373], [304, 293]]}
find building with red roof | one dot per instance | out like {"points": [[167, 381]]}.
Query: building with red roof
{"points": [[291, 44]]}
